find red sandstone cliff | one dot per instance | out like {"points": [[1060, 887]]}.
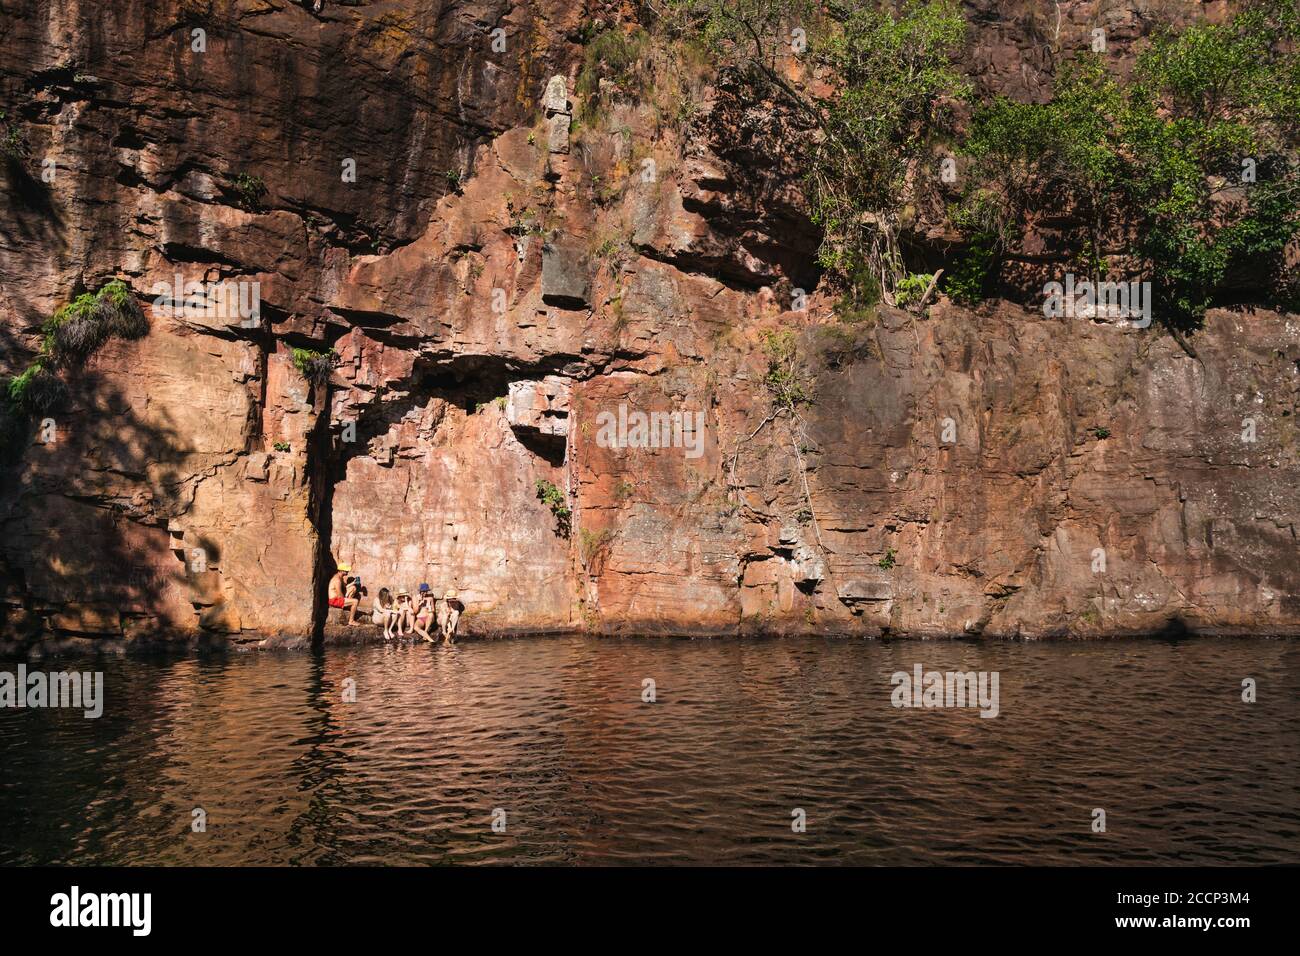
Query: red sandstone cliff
{"points": [[494, 280]]}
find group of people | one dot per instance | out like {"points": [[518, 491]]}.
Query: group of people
{"points": [[399, 615]]}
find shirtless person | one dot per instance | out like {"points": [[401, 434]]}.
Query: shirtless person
{"points": [[338, 584]]}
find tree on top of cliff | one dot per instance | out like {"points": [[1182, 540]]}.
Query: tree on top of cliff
{"points": [[1188, 166], [875, 85]]}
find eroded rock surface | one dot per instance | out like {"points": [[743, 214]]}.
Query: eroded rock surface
{"points": [[495, 302]]}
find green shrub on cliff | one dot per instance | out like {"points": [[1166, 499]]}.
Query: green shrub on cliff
{"points": [[315, 367], [1188, 165], [619, 58], [249, 189], [891, 86], [911, 287], [70, 337], [79, 328], [785, 380], [12, 144], [35, 391], [980, 218], [553, 498], [894, 83]]}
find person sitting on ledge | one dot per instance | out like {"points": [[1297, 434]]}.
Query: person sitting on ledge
{"points": [[352, 598], [384, 615], [405, 615], [424, 613], [451, 615], [337, 597]]}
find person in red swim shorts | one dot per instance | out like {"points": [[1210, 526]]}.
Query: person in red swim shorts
{"points": [[337, 596]]}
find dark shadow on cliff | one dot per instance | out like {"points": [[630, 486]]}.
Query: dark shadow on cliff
{"points": [[84, 519], [33, 218]]}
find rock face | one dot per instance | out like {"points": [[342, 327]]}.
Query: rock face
{"points": [[590, 319]]}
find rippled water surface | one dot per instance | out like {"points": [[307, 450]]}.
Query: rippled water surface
{"points": [[555, 733]]}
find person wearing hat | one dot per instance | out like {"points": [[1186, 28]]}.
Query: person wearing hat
{"points": [[450, 615], [405, 615], [343, 596]]}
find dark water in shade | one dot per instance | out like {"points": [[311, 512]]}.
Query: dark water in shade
{"points": [[554, 731]]}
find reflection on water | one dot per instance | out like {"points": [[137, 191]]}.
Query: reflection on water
{"points": [[554, 732]]}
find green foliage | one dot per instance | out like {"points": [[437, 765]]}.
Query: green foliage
{"points": [[36, 390], [70, 337], [80, 327], [75, 331], [1101, 432], [554, 499], [969, 280], [895, 79], [454, 180], [860, 295], [16, 390], [250, 190], [592, 546], [979, 216], [887, 561], [281, 446], [617, 56], [12, 143], [911, 287], [892, 83], [1061, 153], [314, 366], [785, 380], [1156, 162]]}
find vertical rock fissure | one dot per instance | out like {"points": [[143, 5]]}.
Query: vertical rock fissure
{"points": [[321, 472]]}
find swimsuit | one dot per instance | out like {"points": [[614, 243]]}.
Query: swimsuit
{"points": [[336, 602]]}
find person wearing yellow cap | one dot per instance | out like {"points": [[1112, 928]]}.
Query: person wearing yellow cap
{"points": [[339, 596]]}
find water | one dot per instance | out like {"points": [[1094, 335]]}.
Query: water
{"points": [[554, 732]]}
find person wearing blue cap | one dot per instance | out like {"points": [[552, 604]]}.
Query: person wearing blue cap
{"points": [[424, 613]]}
